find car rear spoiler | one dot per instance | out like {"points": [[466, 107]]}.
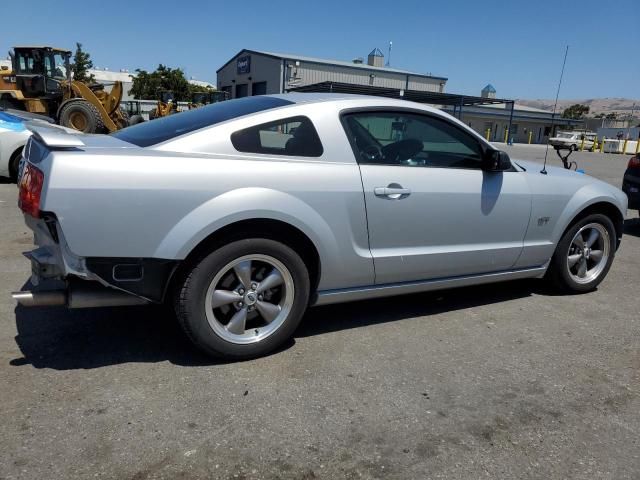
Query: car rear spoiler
{"points": [[55, 137]]}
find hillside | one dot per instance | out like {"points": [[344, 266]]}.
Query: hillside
{"points": [[621, 106]]}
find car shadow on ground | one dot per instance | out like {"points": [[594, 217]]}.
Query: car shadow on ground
{"points": [[61, 339], [632, 227]]}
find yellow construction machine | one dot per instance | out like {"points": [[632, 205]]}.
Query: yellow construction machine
{"points": [[167, 105], [40, 82]]}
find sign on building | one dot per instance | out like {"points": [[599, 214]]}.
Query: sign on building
{"points": [[244, 65]]}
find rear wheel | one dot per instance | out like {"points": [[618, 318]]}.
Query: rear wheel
{"points": [[244, 299], [584, 255], [82, 116], [14, 165]]}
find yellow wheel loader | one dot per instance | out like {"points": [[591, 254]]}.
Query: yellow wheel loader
{"points": [[40, 82], [167, 105]]}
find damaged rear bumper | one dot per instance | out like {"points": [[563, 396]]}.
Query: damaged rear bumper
{"points": [[89, 281]]}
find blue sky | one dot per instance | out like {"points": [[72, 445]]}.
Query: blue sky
{"points": [[517, 46]]}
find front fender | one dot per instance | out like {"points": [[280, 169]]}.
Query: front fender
{"points": [[583, 198]]}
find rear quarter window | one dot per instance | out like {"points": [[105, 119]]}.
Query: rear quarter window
{"points": [[294, 136]]}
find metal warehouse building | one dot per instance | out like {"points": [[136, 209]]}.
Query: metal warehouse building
{"points": [[252, 72]]}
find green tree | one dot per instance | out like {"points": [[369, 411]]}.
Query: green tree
{"points": [[147, 85], [81, 65], [576, 111], [611, 116]]}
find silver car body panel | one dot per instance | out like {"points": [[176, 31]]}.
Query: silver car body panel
{"points": [[114, 199]]}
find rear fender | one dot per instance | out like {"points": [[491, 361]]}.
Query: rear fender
{"points": [[247, 203]]}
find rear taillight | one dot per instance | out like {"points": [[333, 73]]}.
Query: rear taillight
{"points": [[30, 190], [634, 162]]}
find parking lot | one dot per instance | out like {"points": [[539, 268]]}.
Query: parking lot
{"points": [[500, 381]]}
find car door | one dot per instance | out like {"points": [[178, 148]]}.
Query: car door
{"points": [[432, 212]]}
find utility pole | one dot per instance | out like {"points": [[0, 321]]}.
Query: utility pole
{"points": [[389, 54]]}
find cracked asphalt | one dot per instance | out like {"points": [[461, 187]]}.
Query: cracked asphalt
{"points": [[499, 381]]}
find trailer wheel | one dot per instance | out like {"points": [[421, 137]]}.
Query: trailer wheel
{"points": [[82, 116]]}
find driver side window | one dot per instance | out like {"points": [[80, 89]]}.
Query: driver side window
{"points": [[412, 140]]}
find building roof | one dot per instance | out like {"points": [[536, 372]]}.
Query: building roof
{"points": [[43, 47], [102, 75], [433, 98], [489, 88], [201, 83], [324, 61], [376, 53], [522, 108]]}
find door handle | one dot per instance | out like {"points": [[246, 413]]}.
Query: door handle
{"points": [[392, 192]]}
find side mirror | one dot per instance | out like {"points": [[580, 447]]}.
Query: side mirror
{"points": [[496, 161]]}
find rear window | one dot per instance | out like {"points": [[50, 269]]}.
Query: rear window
{"points": [[163, 129]]}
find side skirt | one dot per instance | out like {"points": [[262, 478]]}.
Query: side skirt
{"points": [[327, 297]]}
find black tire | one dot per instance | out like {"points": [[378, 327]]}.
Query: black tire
{"points": [[559, 272], [86, 117], [136, 119], [189, 299], [10, 103], [125, 118], [14, 164], [574, 148]]}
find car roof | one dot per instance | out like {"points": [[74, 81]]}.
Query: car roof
{"points": [[358, 100]]}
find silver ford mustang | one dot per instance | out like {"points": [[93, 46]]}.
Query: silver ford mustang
{"points": [[244, 213]]}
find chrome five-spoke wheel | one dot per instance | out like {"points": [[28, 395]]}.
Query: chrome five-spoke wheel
{"points": [[584, 254], [588, 253], [249, 298], [243, 299]]}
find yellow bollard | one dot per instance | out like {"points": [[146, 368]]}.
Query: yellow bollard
{"points": [[638, 145], [624, 146], [582, 144], [506, 134], [602, 144], [488, 134], [530, 135], [594, 148]]}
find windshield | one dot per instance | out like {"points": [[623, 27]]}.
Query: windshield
{"points": [[163, 129], [55, 66], [566, 135]]}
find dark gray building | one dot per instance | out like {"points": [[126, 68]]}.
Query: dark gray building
{"points": [[252, 72]]}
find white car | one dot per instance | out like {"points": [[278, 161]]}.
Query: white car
{"points": [[13, 136], [573, 140]]}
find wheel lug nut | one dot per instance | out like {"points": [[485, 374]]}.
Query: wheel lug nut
{"points": [[241, 291], [240, 304], [254, 286], [259, 297]]}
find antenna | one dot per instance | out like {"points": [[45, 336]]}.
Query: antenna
{"points": [[553, 117], [389, 55]]}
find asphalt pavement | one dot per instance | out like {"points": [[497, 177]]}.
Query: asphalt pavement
{"points": [[504, 381]]}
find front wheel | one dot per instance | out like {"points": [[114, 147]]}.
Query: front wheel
{"points": [[81, 115], [245, 299], [584, 254]]}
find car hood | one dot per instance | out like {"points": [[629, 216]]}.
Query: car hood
{"points": [[534, 168], [570, 180]]}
